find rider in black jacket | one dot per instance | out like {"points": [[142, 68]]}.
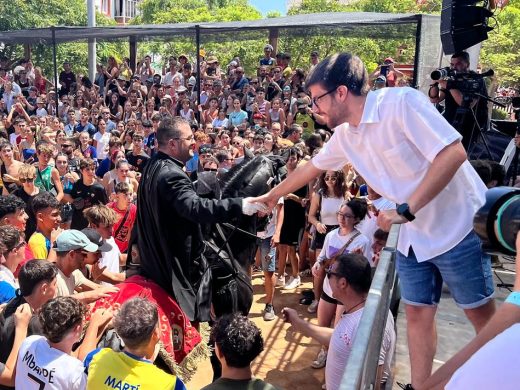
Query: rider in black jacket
{"points": [[169, 214]]}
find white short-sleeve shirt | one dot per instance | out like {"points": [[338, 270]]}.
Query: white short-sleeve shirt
{"points": [[399, 136]]}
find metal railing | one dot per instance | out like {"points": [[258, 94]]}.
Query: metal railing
{"points": [[361, 369]]}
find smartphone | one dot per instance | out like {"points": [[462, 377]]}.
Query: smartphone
{"points": [[384, 70]]}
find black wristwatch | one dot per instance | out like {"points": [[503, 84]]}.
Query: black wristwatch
{"points": [[404, 210]]}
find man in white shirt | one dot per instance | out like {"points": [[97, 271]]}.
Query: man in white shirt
{"points": [[408, 153]]}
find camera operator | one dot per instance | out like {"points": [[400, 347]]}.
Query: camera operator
{"points": [[450, 91]]}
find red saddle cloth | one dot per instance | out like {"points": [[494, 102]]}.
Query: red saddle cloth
{"points": [[178, 337]]}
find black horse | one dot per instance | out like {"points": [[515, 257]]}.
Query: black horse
{"points": [[231, 247]]}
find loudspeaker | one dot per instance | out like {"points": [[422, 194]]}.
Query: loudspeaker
{"points": [[463, 25]]}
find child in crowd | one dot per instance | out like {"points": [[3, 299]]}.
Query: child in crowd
{"points": [[48, 362], [127, 212], [47, 211], [137, 323], [102, 218]]}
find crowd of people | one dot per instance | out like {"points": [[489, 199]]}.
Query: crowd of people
{"points": [[76, 181]]}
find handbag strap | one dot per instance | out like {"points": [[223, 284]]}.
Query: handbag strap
{"points": [[344, 247], [122, 222]]}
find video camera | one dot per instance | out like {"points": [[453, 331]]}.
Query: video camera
{"points": [[498, 221], [468, 82]]}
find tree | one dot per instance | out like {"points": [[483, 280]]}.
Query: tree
{"points": [[501, 51], [23, 14], [226, 47]]}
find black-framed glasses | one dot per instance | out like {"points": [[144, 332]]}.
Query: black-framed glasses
{"points": [[210, 169], [316, 99], [329, 272]]}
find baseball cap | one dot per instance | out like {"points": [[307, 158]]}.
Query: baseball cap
{"points": [[212, 60], [71, 240], [286, 88], [96, 239], [381, 79], [258, 116], [181, 89], [314, 53], [192, 80], [233, 63], [268, 47], [167, 97], [389, 60]]}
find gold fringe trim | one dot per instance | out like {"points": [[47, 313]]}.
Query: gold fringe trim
{"points": [[187, 368]]}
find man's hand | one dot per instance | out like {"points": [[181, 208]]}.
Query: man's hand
{"points": [[22, 316], [290, 316], [275, 240], [388, 217], [268, 200], [55, 233], [97, 271]]}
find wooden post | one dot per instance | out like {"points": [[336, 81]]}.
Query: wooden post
{"points": [[133, 54]]}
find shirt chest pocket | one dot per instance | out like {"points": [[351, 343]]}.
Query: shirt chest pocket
{"points": [[403, 161]]}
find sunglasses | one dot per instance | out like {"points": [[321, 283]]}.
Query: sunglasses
{"points": [[237, 143], [66, 145], [210, 170], [329, 272], [26, 179]]}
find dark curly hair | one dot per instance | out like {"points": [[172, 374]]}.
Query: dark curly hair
{"points": [[10, 204], [136, 321], [238, 338], [340, 187], [60, 315]]}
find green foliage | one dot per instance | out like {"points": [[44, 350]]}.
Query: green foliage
{"points": [[499, 113], [501, 51], [22, 14], [194, 11]]}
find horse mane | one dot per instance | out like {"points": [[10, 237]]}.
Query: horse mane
{"points": [[238, 177]]}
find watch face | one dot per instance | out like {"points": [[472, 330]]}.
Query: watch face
{"points": [[402, 208]]}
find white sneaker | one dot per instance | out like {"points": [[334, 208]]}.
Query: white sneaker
{"points": [[280, 281], [313, 306], [321, 359], [293, 283]]}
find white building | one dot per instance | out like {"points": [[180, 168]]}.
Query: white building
{"points": [[120, 10]]}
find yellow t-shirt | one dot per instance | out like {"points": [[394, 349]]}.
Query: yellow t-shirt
{"points": [[108, 369], [39, 245]]}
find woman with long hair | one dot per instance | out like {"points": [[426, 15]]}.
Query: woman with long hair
{"points": [[325, 202], [27, 146], [68, 178], [111, 175], [116, 111], [40, 82], [122, 175], [344, 239], [100, 139]]}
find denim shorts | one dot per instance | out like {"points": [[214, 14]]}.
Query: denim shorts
{"points": [[267, 255], [466, 269]]}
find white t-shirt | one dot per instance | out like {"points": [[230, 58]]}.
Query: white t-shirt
{"points": [[399, 136], [7, 276], [40, 366], [333, 244], [110, 259], [341, 345], [270, 228], [102, 144], [494, 366]]}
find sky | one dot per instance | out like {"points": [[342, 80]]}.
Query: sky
{"points": [[265, 6]]}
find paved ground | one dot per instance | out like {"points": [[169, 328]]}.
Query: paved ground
{"points": [[286, 359]]}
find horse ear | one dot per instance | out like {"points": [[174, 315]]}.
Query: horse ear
{"points": [[248, 154]]}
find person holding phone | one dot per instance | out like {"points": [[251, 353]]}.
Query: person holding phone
{"points": [[387, 70]]}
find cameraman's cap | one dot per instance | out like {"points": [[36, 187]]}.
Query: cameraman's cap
{"points": [[381, 79], [96, 239], [71, 240], [268, 47], [212, 60], [388, 60]]}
